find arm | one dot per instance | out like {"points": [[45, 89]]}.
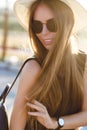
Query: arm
{"points": [[71, 121], [27, 79], [79, 119]]}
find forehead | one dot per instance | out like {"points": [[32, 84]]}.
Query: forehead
{"points": [[43, 12]]}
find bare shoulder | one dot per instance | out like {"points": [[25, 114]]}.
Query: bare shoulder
{"points": [[32, 66], [28, 76]]}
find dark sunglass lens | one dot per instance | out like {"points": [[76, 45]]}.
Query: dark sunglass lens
{"points": [[37, 26], [51, 25]]}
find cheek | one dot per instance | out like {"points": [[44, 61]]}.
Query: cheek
{"points": [[38, 36]]}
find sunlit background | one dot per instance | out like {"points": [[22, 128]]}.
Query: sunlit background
{"points": [[14, 42]]}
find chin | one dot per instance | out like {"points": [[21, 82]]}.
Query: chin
{"points": [[48, 47]]}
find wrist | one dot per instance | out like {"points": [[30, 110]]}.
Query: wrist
{"points": [[55, 123], [60, 123]]}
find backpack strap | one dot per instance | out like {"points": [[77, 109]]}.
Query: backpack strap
{"points": [[8, 87]]}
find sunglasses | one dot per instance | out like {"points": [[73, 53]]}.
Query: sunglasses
{"points": [[37, 26]]}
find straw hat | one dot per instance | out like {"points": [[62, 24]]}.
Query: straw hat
{"points": [[21, 8]]}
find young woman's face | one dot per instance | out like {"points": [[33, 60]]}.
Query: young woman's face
{"points": [[45, 26]]}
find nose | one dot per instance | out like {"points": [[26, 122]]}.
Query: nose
{"points": [[45, 30]]}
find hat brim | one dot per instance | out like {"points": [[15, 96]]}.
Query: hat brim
{"points": [[21, 8]]}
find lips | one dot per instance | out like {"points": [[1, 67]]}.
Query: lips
{"points": [[48, 41]]}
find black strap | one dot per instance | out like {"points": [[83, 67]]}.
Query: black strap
{"points": [[8, 88]]}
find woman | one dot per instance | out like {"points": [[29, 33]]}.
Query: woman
{"points": [[52, 91]]}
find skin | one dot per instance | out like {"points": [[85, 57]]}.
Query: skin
{"points": [[28, 77], [46, 37]]}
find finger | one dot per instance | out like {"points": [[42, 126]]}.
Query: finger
{"points": [[38, 114], [34, 106], [39, 104]]}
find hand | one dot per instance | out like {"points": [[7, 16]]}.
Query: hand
{"points": [[42, 115]]}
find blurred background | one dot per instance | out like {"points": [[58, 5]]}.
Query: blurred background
{"points": [[14, 48], [13, 38]]}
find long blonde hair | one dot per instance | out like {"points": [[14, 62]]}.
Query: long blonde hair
{"points": [[58, 81]]}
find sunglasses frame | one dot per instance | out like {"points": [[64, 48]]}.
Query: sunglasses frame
{"points": [[51, 25]]}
